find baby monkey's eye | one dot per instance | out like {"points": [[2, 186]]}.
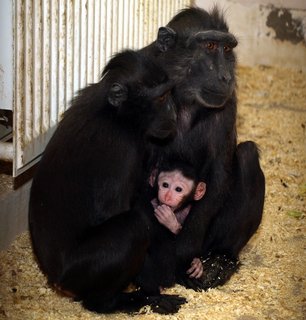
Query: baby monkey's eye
{"points": [[178, 189], [165, 185]]}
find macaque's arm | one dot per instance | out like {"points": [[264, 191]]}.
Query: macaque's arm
{"points": [[167, 218], [196, 269]]}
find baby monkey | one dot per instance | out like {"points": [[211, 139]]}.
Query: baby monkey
{"points": [[177, 188]]}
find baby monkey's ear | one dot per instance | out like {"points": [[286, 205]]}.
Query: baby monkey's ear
{"points": [[199, 191]]}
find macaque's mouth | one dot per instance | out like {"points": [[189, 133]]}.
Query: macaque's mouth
{"points": [[211, 100]]}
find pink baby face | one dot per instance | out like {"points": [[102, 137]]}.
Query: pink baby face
{"points": [[173, 188]]}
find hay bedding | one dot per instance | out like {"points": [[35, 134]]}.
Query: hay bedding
{"points": [[271, 282]]}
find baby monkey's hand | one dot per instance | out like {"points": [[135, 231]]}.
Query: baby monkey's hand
{"points": [[196, 269], [167, 218]]}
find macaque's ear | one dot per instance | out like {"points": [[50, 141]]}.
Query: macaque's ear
{"points": [[166, 38], [200, 191], [118, 93]]}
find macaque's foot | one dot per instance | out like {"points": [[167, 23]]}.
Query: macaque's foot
{"points": [[191, 283], [165, 303], [217, 270], [132, 302]]}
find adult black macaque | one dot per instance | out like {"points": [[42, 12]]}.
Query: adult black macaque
{"points": [[88, 239], [196, 50]]}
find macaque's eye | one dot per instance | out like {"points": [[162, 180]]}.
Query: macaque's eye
{"points": [[211, 46], [227, 48], [164, 97], [165, 185], [178, 189]]}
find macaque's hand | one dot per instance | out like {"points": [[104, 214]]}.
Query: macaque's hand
{"points": [[196, 269], [167, 218]]}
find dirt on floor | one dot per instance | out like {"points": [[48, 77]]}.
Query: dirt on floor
{"points": [[271, 282]]}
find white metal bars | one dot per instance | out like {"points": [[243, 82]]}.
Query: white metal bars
{"points": [[59, 47]]}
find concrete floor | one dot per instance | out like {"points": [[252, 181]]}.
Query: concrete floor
{"points": [[13, 210]]}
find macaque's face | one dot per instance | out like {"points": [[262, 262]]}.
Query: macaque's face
{"points": [[173, 188]]}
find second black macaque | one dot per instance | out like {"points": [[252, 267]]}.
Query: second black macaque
{"points": [[175, 187], [197, 51]]}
